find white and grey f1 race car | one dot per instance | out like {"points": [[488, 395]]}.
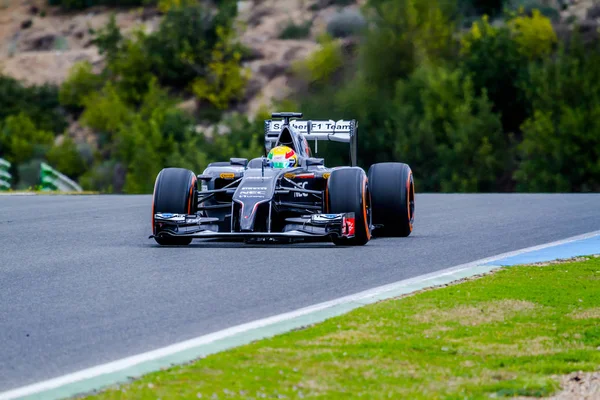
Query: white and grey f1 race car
{"points": [[287, 194]]}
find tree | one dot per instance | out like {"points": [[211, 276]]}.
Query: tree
{"points": [[39, 103], [492, 59], [181, 49], [65, 157], [225, 79], [561, 140], [81, 83], [109, 39], [403, 35], [22, 140], [447, 132]]}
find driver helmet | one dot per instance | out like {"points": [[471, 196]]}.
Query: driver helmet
{"points": [[283, 157]]}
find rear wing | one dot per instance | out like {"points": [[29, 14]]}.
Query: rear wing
{"points": [[345, 131]]}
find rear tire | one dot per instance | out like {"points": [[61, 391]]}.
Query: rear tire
{"points": [[175, 193], [347, 191], [393, 199]]}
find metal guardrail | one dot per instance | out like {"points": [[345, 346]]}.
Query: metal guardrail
{"points": [[5, 176], [53, 180]]}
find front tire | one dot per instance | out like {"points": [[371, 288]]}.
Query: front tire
{"points": [[347, 191], [175, 193], [393, 199]]}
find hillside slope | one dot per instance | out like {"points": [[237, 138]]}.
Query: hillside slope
{"points": [[39, 44]]}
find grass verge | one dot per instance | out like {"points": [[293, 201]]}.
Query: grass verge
{"points": [[503, 335]]}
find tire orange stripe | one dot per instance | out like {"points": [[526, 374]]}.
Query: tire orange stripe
{"points": [[190, 195], [364, 196], [408, 187]]}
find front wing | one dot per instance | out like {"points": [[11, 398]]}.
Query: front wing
{"points": [[310, 226]]}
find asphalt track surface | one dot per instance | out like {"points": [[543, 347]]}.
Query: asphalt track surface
{"points": [[81, 285]]}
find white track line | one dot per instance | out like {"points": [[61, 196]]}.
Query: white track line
{"points": [[212, 337]]}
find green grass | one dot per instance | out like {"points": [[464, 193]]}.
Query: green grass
{"points": [[503, 335]]}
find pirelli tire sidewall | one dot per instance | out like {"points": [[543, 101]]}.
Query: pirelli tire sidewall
{"points": [[392, 199], [348, 191], [175, 192]]}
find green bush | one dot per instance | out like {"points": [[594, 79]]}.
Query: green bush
{"points": [[492, 58], [106, 111], [193, 44], [413, 102], [109, 39], [81, 4], [296, 31], [106, 176], [181, 48], [138, 127], [82, 82], [529, 6], [534, 34], [39, 103], [144, 143], [30, 116], [401, 35], [145, 149], [140, 141], [132, 69], [65, 157], [404, 34], [224, 80], [346, 22], [561, 140], [323, 63], [244, 139], [21, 140], [439, 125]]}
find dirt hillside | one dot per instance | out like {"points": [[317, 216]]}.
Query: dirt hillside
{"points": [[39, 44]]}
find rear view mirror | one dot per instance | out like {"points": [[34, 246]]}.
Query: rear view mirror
{"points": [[239, 161], [315, 161]]}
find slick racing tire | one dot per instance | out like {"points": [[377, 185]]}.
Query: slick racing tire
{"points": [[392, 199], [347, 191], [175, 193]]}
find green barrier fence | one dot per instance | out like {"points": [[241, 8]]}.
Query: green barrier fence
{"points": [[53, 180], [5, 176]]}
